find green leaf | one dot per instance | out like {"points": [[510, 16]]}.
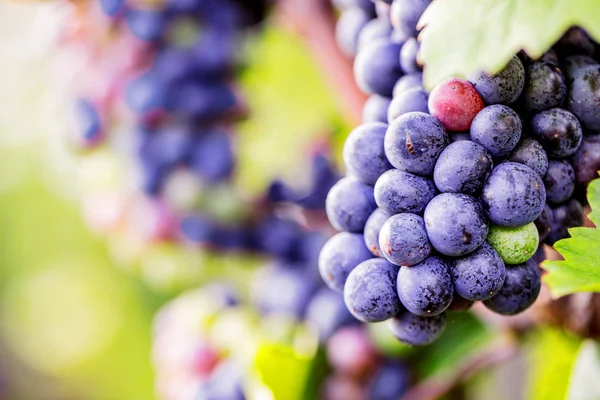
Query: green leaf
{"points": [[580, 270], [583, 384], [462, 37]]}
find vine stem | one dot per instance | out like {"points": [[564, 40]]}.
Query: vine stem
{"points": [[496, 353], [314, 22]]}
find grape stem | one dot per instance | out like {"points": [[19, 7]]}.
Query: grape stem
{"points": [[497, 353], [314, 22]]}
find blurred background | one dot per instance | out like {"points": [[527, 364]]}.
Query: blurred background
{"points": [[77, 306]]}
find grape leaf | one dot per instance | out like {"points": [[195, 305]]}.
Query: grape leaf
{"points": [[580, 270], [583, 383], [461, 37]]}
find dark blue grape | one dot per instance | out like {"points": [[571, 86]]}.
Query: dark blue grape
{"points": [[414, 80], [146, 24], [584, 97], [377, 28], [277, 236], [111, 7], [519, 291], [559, 181], [198, 229], [328, 312], [339, 256], [514, 195], [145, 94], [497, 128], [349, 204], [544, 222], [364, 155], [376, 109], [390, 382], [376, 67], [403, 240], [558, 131], [459, 303], [88, 121], [406, 14], [408, 56], [566, 216], [414, 330], [166, 147], [455, 224], [574, 65], [531, 153], [212, 157], [505, 87], [544, 88], [199, 100], [372, 229], [370, 291], [414, 99], [576, 41], [348, 27], [479, 275], [463, 167], [398, 191], [426, 288], [414, 141], [540, 255], [550, 57], [587, 159]]}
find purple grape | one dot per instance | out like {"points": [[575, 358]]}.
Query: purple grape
{"points": [[478, 275], [497, 128], [414, 99], [398, 191], [514, 195], [212, 157], [376, 67], [574, 65], [406, 14], [328, 312], [403, 240], [89, 126], [349, 204], [544, 222], [459, 303], [530, 152], [414, 141], [376, 109], [426, 289], [463, 167], [565, 216], [414, 330], [377, 28], [145, 24], [584, 97], [550, 57], [277, 236], [519, 291], [145, 94], [540, 255], [373, 228], [587, 159], [559, 181], [339, 256], [408, 56], [111, 7], [390, 382], [414, 80], [363, 153], [455, 224], [348, 27], [505, 87], [544, 88], [558, 131], [370, 291], [199, 100]]}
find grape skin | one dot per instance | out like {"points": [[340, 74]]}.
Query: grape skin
{"points": [[417, 331], [414, 99], [558, 131], [587, 159], [425, 289], [519, 291], [376, 109], [339, 256], [514, 245], [373, 228], [530, 152], [559, 181], [514, 195], [370, 291], [544, 222], [406, 14], [505, 87], [414, 141], [348, 28], [399, 191], [414, 80], [403, 240], [376, 67], [584, 97], [565, 216], [377, 28], [497, 128], [478, 275], [408, 56], [545, 87], [363, 152], [349, 204], [391, 382], [455, 103], [455, 224], [463, 167]]}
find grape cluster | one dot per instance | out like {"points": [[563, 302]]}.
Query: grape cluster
{"points": [[449, 194]]}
